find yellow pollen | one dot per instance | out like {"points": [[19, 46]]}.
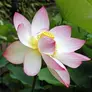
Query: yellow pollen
{"points": [[34, 42], [45, 33]]}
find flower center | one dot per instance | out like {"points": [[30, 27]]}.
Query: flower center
{"points": [[45, 33], [34, 40]]}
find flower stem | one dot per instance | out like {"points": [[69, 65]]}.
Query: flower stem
{"points": [[34, 83]]}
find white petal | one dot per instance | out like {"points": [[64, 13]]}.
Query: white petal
{"points": [[69, 45], [20, 19], [72, 60], [61, 32], [32, 62], [46, 45], [52, 62], [40, 21], [61, 75], [24, 35], [15, 52]]}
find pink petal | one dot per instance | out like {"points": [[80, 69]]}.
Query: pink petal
{"points": [[69, 45], [52, 62], [61, 75], [61, 32], [46, 45], [15, 52], [71, 59], [40, 21], [24, 35], [32, 62], [20, 19]]}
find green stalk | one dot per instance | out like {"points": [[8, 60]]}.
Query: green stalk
{"points": [[34, 83]]}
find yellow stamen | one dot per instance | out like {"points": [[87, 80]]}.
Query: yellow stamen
{"points": [[34, 40], [45, 33]]}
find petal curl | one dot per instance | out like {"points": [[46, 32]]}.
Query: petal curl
{"points": [[20, 19], [61, 75], [61, 32], [15, 52], [52, 62], [46, 45], [40, 21], [32, 62], [24, 35], [72, 60], [69, 45]]}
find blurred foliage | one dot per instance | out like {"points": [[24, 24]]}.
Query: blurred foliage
{"points": [[27, 8], [5, 6], [78, 12], [47, 76]]}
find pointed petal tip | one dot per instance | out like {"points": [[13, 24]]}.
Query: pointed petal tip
{"points": [[15, 21], [41, 15], [62, 76], [42, 8], [5, 53], [16, 14], [67, 26], [88, 59], [14, 53], [78, 64], [83, 41], [67, 85], [84, 58], [43, 11]]}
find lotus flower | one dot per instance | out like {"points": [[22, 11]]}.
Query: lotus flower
{"points": [[56, 47]]}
